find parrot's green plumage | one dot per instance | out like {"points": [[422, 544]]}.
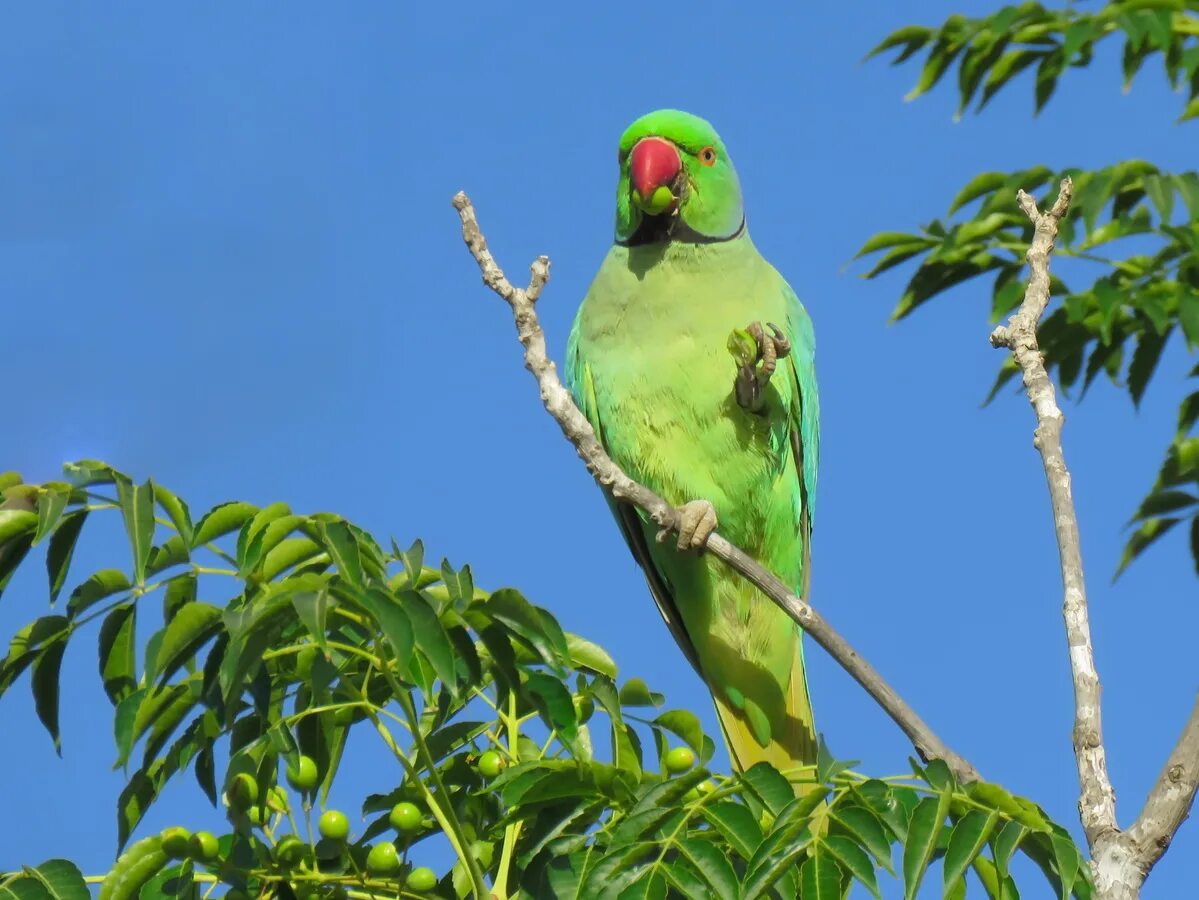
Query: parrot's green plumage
{"points": [[648, 364]]}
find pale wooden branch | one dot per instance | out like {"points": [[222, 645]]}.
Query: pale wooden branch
{"points": [[1120, 860], [1097, 801], [579, 432], [1170, 798]]}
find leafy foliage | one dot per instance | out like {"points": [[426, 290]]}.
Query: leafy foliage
{"points": [[282, 635], [1131, 246], [991, 51]]}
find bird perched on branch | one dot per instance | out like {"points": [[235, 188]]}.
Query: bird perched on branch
{"points": [[733, 443]]}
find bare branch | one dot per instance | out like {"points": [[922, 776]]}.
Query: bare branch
{"points": [[1169, 801], [579, 432], [1097, 801]]}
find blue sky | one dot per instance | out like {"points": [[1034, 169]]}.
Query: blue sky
{"points": [[228, 260]]}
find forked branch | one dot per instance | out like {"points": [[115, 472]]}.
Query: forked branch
{"points": [[1120, 860]]}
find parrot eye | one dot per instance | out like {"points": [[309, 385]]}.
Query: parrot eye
{"points": [[707, 156]]}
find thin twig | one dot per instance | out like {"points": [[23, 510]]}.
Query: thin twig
{"points": [[579, 432], [1097, 800], [1170, 798]]}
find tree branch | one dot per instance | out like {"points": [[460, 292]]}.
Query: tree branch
{"points": [[1169, 801], [1097, 800], [559, 403]]}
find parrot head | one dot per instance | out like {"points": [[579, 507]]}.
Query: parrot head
{"points": [[677, 182]]}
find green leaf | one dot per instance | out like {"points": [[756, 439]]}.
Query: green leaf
{"points": [[1188, 317], [531, 623], [1195, 542], [711, 865], [180, 591], [865, 828], [650, 886], [586, 655], [176, 511], [765, 782], [89, 471], [102, 584], [996, 797], [46, 669], [1068, 862], [985, 183], [430, 637], [12, 552], [61, 549], [123, 724], [736, 824], [61, 879], [1004, 844], [886, 239], [137, 509], [299, 551], [854, 859], [635, 692], [554, 702], [1144, 362], [913, 37], [1048, 71], [923, 827], [685, 725], [1142, 538], [1190, 111], [16, 522], [51, 502], [313, 609], [774, 857], [193, 626], [25, 887], [967, 840], [220, 520], [343, 549], [1007, 67], [118, 665], [820, 878]]}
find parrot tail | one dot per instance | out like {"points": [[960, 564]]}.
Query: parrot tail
{"points": [[794, 745]]}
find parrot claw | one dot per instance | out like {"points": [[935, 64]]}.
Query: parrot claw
{"points": [[697, 521], [753, 374]]}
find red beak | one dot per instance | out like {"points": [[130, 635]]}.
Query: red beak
{"points": [[654, 162]]}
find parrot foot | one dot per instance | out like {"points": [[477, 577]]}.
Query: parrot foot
{"points": [[757, 354], [697, 521]]}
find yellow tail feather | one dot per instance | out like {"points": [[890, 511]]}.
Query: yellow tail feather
{"points": [[797, 744]]}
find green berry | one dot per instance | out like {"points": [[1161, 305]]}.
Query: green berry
{"points": [[334, 825], [175, 841], [405, 817], [258, 815], [383, 859], [679, 760], [421, 880], [204, 846], [290, 850], [303, 775], [242, 791], [490, 764]]}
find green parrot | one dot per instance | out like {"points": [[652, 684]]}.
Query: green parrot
{"points": [[729, 441]]}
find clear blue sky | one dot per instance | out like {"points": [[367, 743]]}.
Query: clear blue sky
{"points": [[228, 260]]}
